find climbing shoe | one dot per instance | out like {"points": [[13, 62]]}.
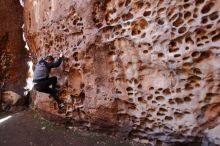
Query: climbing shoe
{"points": [[60, 106]]}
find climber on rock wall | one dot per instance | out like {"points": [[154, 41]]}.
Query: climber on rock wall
{"points": [[43, 81]]}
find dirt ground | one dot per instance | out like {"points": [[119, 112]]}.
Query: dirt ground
{"points": [[28, 128]]}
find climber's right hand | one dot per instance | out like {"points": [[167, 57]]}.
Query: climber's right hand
{"points": [[61, 55]]}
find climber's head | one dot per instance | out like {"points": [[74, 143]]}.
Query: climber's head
{"points": [[49, 59]]}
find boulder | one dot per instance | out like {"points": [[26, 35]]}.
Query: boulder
{"points": [[148, 70]]}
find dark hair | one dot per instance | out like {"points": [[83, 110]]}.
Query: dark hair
{"points": [[49, 57]]}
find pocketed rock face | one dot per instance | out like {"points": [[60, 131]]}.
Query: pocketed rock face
{"points": [[13, 55], [144, 69]]}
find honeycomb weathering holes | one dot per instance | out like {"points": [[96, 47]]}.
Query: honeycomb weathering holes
{"points": [[155, 60]]}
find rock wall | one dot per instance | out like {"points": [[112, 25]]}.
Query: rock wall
{"points": [[13, 55], [144, 69]]}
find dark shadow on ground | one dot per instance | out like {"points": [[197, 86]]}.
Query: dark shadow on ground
{"points": [[28, 128]]}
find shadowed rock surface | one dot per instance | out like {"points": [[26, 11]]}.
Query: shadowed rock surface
{"points": [[13, 55]]}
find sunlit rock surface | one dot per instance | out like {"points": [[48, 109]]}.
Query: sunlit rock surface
{"points": [[13, 55], [144, 69]]}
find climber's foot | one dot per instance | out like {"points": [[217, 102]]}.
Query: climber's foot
{"points": [[61, 106], [62, 109]]}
